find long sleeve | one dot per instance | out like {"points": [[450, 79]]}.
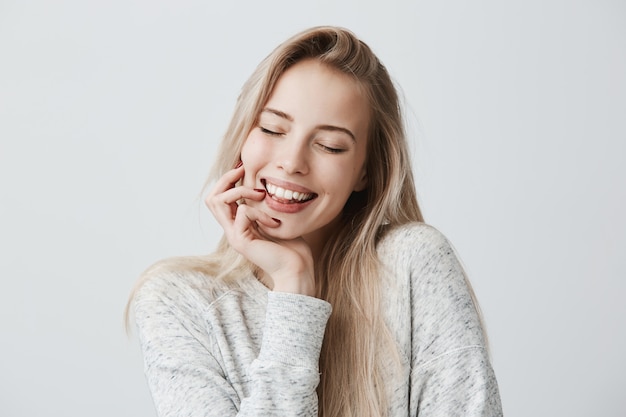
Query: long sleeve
{"points": [[286, 373], [431, 314], [451, 374], [230, 356]]}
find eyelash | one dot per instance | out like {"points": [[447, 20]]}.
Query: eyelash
{"points": [[269, 132], [331, 150], [324, 147]]}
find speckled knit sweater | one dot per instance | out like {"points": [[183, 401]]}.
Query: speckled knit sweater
{"points": [[213, 349]]}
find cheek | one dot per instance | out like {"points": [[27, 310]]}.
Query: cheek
{"points": [[351, 172], [250, 150], [252, 156]]}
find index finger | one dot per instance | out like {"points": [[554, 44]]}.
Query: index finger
{"points": [[228, 180]]}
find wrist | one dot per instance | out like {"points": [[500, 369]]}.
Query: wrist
{"points": [[303, 284]]}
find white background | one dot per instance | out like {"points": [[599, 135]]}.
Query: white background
{"points": [[111, 111]]}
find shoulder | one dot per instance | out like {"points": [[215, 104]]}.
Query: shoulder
{"points": [[164, 277], [176, 299], [409, 235], [423, 255], [414, 243], [182, 288], [425, 269]]}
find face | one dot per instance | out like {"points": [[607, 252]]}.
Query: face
{"points": [[308, 150]]}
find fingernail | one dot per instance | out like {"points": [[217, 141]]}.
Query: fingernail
{"points": [[259, 190], [239, 164], [276, 220]]}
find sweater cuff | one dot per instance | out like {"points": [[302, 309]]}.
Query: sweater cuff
{"points": [[294, 329]]}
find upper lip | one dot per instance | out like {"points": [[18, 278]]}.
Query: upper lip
{"points": [[287, 185]]}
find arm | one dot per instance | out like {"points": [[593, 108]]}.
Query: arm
{"points": [[189, 374], [450, 371], [460, 382], [224, 372], [286, 372]]}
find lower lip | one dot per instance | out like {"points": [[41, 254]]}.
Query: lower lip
{"points": [[286, 207]]}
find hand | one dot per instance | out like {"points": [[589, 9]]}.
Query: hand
{"points": [[287, 263]]}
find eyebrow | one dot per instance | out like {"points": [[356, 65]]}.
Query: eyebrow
{"points": [[330, 128]]}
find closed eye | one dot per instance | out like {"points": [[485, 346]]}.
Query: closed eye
{"points": [[331, 150], [269, 132]]}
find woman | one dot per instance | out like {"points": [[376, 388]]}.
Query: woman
{"points": [[315, 194]]}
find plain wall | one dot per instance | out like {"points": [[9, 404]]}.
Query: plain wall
{"points": [[110, 114]]}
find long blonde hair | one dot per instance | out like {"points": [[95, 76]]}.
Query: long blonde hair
{"points": [[348, 272]]}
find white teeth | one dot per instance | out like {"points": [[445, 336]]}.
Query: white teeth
{"points": [[282, 193]]}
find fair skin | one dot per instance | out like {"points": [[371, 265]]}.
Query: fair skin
{"points": [[300, 163]]}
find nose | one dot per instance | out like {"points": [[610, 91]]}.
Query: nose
{"points": [[293, 156]]}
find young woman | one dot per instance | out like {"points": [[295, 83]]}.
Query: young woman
{"points": [[315, 194]]}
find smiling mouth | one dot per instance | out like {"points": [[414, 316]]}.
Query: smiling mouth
{"points": [[287, 196]]}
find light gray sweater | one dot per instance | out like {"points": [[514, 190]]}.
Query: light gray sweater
{"points": [[213, 349]]}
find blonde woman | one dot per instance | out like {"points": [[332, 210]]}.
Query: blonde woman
{"points": [[327, 295]]}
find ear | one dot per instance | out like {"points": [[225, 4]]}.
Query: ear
{"points": [[362, 182]]}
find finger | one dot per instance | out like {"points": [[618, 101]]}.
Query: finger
{"points": [[226, 210], [227, 201], [249, 217], [242, 232], [235, 194], [227, 181]]}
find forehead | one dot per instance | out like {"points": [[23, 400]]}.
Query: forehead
{"points": [[314, 93]]}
